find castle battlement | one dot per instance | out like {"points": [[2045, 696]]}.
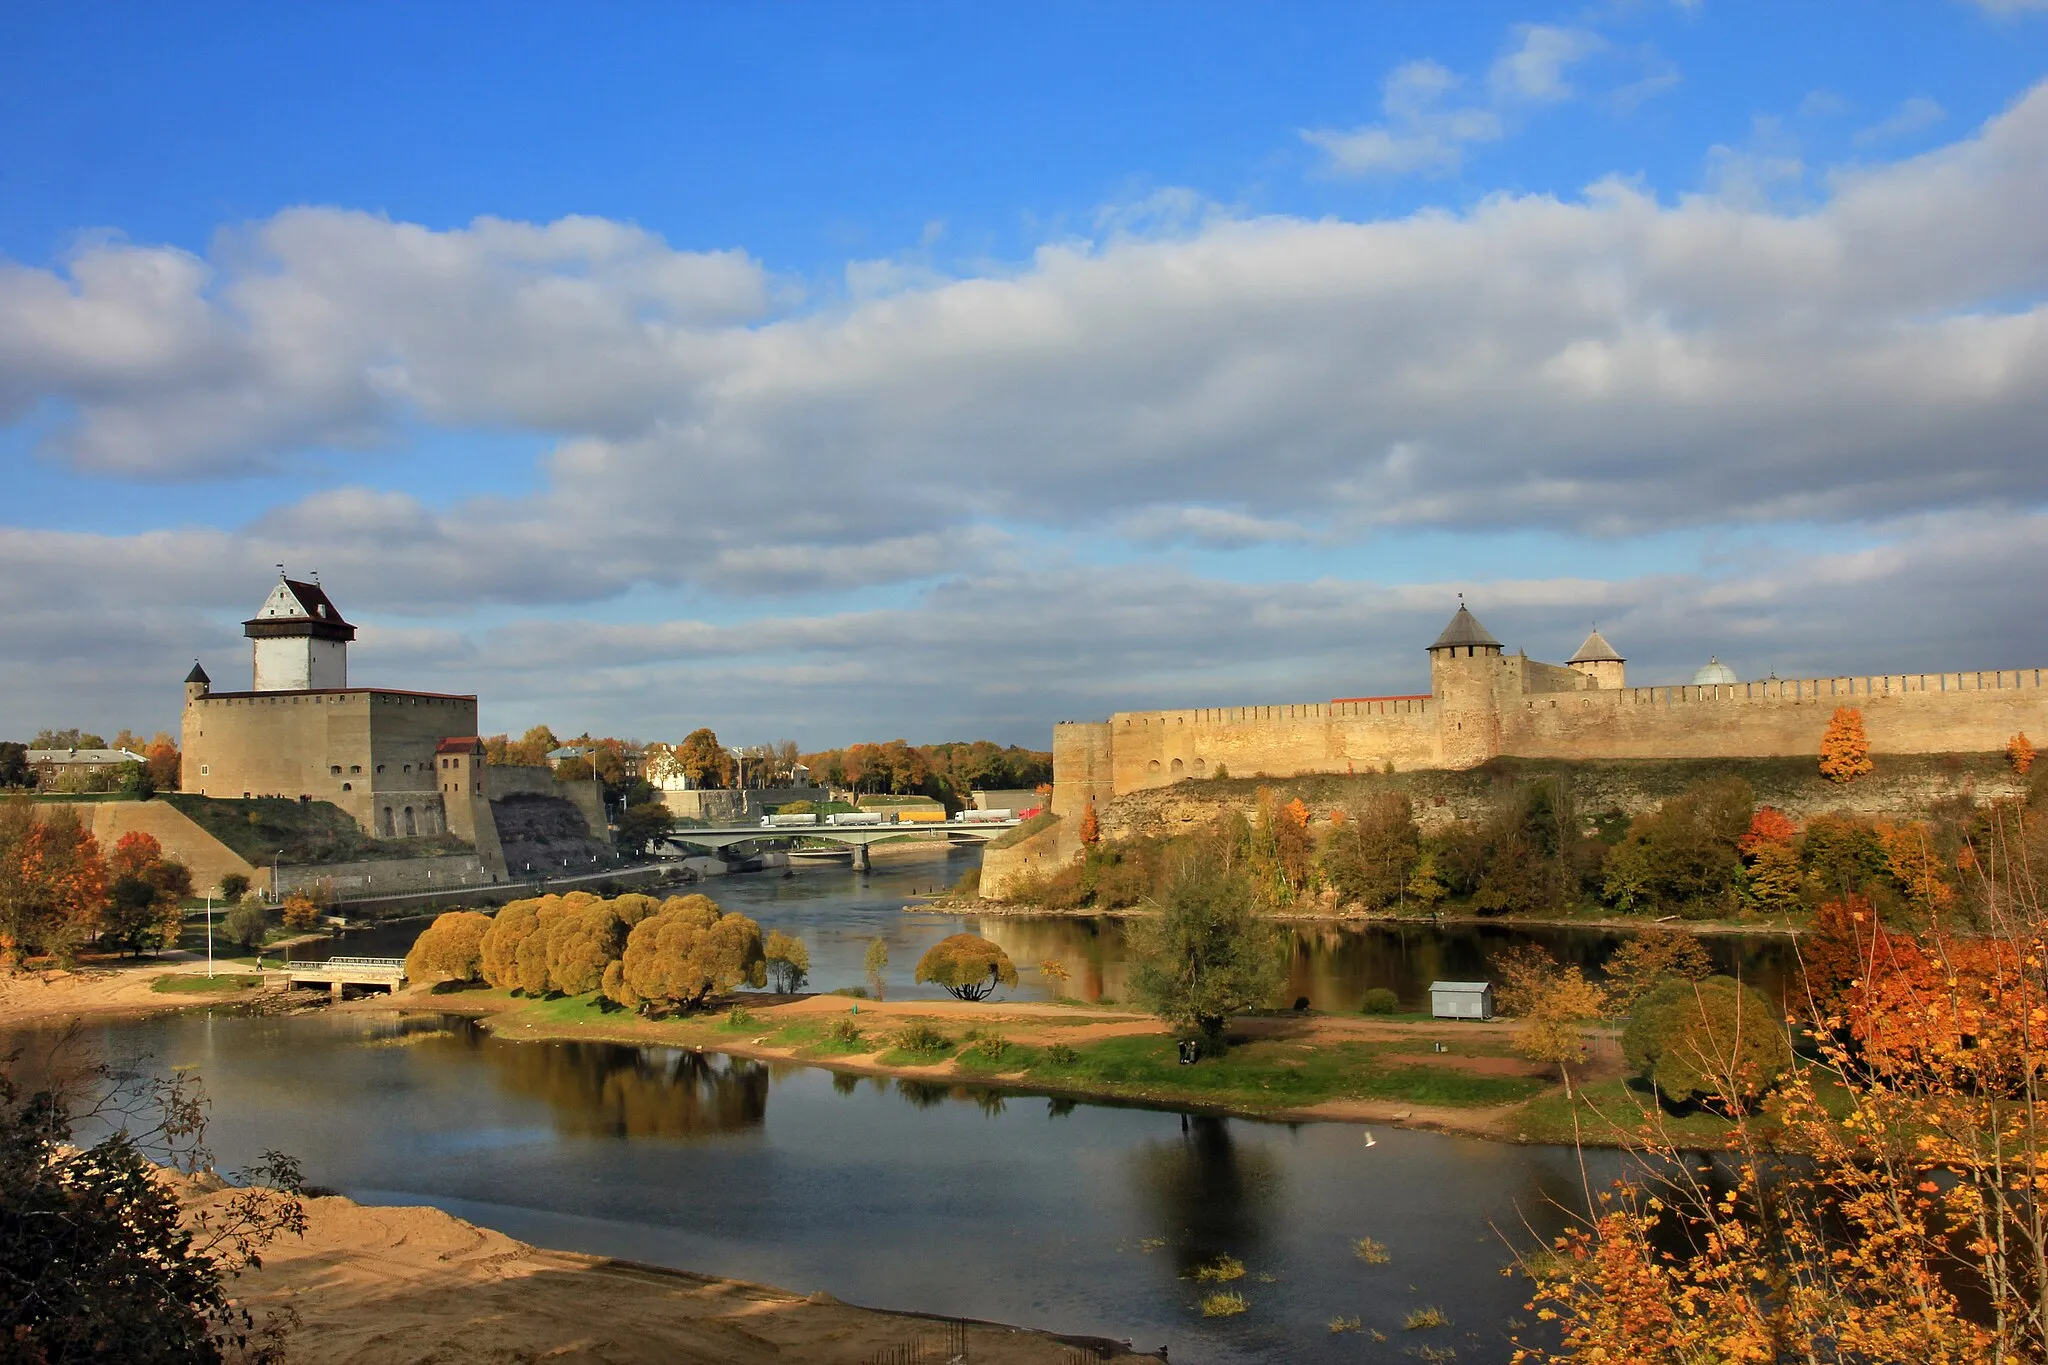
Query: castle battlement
{"points": [[1484, 703]]}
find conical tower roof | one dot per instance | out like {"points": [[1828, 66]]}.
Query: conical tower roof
{"points": [[1465, 630], [1596, 650], [198, 675]]}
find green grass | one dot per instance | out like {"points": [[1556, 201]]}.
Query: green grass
{"points": [[1267, 1075], [306, 831], [196, 984]]}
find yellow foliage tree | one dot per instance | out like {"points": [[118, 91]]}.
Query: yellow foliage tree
{"points": [[499, 949], [300, 912], [1553, 1026], [683, 954], [587, 936], [451, 949], [1091, 826], [1845, 749], [2019, 751]]}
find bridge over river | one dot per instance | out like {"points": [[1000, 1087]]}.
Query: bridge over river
{"points": [[855, 837]]}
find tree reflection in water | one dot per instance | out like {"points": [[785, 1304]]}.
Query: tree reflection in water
{"points": [[1209, 1195], [607, 1090]]}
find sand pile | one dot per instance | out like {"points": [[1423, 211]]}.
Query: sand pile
{"points": [[373, 1284]]}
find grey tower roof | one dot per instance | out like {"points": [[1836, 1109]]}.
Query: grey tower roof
{"points": [[1596, 650], [198, 675], [1465, 629]]}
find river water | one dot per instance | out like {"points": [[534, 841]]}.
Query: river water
{"points": [[959, 1200]]}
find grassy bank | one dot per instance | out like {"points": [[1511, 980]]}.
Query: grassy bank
{"points": [[1273, 1067]]}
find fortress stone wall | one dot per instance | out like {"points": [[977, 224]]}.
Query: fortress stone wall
{"points": [[1484, 704]]}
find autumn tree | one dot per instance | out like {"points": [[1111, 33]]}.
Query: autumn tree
{"points": [[2019, 752], [1648, 959], [1207, 954], [1774, 879], [686, 952], [1369, 855], [587, 937], [1091, 826], [53, 882], [451, 948], [1713, 1041], [1685, 856], [300, 912], [1553, 1025], [1845, 749], [163, 762], [703, 760], [1055, 971], [967, 966], [789, 962]]}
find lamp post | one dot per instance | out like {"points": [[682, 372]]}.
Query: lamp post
{"points": [[275, 898], [209, 936]]}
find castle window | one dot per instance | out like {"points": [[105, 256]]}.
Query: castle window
{"points": [[408, 767], [1153, 766], [1177, 765], [348, 786], [355, 769], [204, 770], [335, 769], [380, 767], [384, 822], [411, 826]]}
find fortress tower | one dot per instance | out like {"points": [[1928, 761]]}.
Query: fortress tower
{"points": [[299, 640], [1597, 660], [1464, 669]]}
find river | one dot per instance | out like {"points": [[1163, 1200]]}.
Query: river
{"points": [[1071, 1216]]}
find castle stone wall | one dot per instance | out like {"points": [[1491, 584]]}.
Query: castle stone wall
{"points": [[1484, 705]]}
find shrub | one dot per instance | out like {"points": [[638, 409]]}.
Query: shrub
{"points": [[968, 887], [1371, 1252], [844, 1030], [993, 1046], [967, 965], [739, 1016], [684, 953], [246, 924], [1227, 1304], [1059, 1054], [920, 1040], [451, 948], [1380, 1000], [1698, 1040], [1424, 1318], [234, 886]]}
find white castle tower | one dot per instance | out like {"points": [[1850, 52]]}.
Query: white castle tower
{"points": [[299, 639]]}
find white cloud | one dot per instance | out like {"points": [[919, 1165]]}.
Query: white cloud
{"points": [[1605, 365], [1536, 68], [1426, 130], [1913, 116]]}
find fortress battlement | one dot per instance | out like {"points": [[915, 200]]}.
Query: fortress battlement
{"points": [[1484, 703]]}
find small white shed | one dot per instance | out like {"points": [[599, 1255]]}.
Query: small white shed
{"points": [[1461, 999]]}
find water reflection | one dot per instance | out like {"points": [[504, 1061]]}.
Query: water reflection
{"points": [[1208, 1196], [606, 1090]]}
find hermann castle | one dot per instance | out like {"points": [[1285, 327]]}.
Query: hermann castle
{"points": [[1483, 703]]}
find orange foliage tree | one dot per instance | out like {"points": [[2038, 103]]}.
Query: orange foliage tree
{"points": [[53, 882], [1909, 1224], [1091, 825], [1845, 749], [2019, 751]]}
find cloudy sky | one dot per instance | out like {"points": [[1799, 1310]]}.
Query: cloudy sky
{"points": [[856, 372]]}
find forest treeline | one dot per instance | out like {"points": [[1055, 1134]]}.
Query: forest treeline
{"points": [[1711, 852]]}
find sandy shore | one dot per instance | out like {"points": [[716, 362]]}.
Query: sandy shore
{"points": [[380, 1285]]}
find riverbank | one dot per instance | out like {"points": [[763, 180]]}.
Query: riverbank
{"points": [[380, 1285], [1780, 928], [1410, 1072]]}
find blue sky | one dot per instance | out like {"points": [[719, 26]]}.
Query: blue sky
{"points": [[860, 371]]}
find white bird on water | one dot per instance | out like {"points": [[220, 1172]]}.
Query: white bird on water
{"points": [[1370, 1140]]}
